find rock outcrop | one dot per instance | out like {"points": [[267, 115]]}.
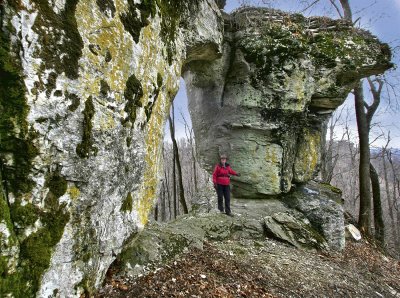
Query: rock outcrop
{"points": [[84, 93], [85, 90], [309, 219], [266, 100]]}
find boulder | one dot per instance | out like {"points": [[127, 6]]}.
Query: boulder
{"points": [[321, 205], [297, 232]]}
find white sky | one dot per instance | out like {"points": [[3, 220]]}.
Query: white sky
{"points": [[382, 18]]}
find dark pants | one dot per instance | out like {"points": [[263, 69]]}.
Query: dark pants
{"points": [[224, 191]]}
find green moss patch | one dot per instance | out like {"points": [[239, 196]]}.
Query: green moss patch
{"points": [[15, 135], [24, 216], [37, 248], [104, 88], [133, 95], [75, 101], [86, 148], [134, 23], [127, 205], [273, 48], [172, 13], [63, 39], [271, 45], [105, 6]]}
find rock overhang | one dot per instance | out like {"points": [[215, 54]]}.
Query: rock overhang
{"points": [[265, 101]]}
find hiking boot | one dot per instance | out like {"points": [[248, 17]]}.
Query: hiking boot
{"points": [[229, 214]]}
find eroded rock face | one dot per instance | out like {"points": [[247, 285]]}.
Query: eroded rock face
{"points": [[265, 101], [85, 90]]}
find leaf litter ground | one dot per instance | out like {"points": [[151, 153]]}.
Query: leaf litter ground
{"points": [[267, 268]]}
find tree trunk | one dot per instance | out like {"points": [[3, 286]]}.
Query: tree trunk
{"points": [[326, 159], [347, 14], [166, 175], [162, 203], [389, 197], [378, 212], [395, 206], [364, 219], [178, 166], [196, 187]]}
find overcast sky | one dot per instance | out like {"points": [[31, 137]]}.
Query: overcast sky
{"points": [[381, 17]]}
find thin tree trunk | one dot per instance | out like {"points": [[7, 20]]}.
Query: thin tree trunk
{"points": [[166, 175], [347, 14], [156, 212], [378, 212], [326, 160], [162, 205], [388, 195], [364, 219], [172, 133], [396, 192], [196, 186], [178, 166]]}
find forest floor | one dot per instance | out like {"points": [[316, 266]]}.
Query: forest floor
{"points": [[264, 269]]}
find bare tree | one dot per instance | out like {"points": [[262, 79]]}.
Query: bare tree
{"points": [[178, 165], [190, 136]]}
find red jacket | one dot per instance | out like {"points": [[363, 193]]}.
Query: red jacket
{"points": [[221, 174]]}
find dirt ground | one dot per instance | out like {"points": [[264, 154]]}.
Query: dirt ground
{"points": [[264, 269]]}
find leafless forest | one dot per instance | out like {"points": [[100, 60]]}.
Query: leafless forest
{"points": [[340, 167]]}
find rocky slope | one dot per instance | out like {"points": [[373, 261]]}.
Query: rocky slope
{"points": [[260, 267]]}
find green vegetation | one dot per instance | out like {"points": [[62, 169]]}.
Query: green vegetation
{"points": [[24, 216], [172, 13], [106, 5], [53, 44], [280, 43], [331, 188], [15, 135], [86, 148], [37, 248], [273, 48], [127, 205], [104, 88], [134, 23], [128, 141], [75, 101], [133, 94]]}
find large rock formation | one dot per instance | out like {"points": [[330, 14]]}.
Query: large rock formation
{"points": [[265, 101], [84, 93], [85, 90]]}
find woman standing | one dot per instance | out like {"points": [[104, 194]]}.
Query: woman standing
{"points": [[221, 180]]}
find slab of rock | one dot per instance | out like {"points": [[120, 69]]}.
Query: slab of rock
{"points": [[321, 205], [295, 231]]}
